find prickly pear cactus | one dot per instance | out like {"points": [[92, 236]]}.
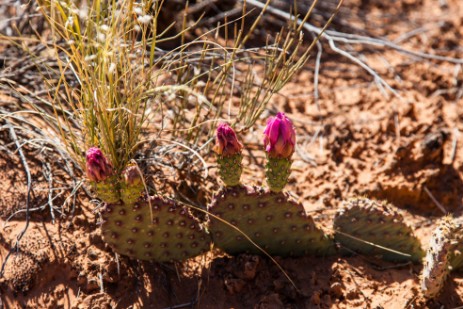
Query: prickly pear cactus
{"points": [[277, 172], [230, 169], [108, 190], [228, 150], [101, 175], [132, 186], [279, 142], [274, 221], [437, 263], [373, 228], [156, 228]]}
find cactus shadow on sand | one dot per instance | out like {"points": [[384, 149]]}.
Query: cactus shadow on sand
{"points": [[443, 183], [448, 295], [418, 174], [247, 278]]}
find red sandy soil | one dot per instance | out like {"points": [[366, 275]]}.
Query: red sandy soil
{"points": [[356, 142]]}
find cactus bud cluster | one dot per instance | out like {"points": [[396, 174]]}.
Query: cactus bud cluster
{"points": [[251, 219], [279, 143]]}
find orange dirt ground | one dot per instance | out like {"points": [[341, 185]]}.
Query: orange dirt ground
{"points": [[357, 141]]}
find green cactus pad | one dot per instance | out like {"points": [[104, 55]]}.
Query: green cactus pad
{"points": [[274, 221], [108, 190], [437, 264], [277, 172], [230, 169], [130, 194], [132, 185], [164, 232], [372, 228]]}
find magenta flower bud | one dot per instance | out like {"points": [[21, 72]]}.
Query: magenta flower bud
{"points": [[98, 167], [279, 137], [132, 175], [227, 143], [132, 186]]}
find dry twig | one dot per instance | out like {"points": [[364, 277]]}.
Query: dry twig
{"points": [[15, 248]]}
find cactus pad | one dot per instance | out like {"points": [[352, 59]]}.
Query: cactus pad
{"points": [[230, 169], [277, 171], [130, 194], [132, 186], [274, 221], [436, 264], [371, 228], [108, 190], [164, 232]]}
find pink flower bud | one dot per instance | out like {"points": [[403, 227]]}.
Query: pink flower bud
{"points": [[227, 143], [132, 175], [279, 137], [98, 167]]}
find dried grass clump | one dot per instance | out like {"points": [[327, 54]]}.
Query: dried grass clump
{"points": [[127, 85]]}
